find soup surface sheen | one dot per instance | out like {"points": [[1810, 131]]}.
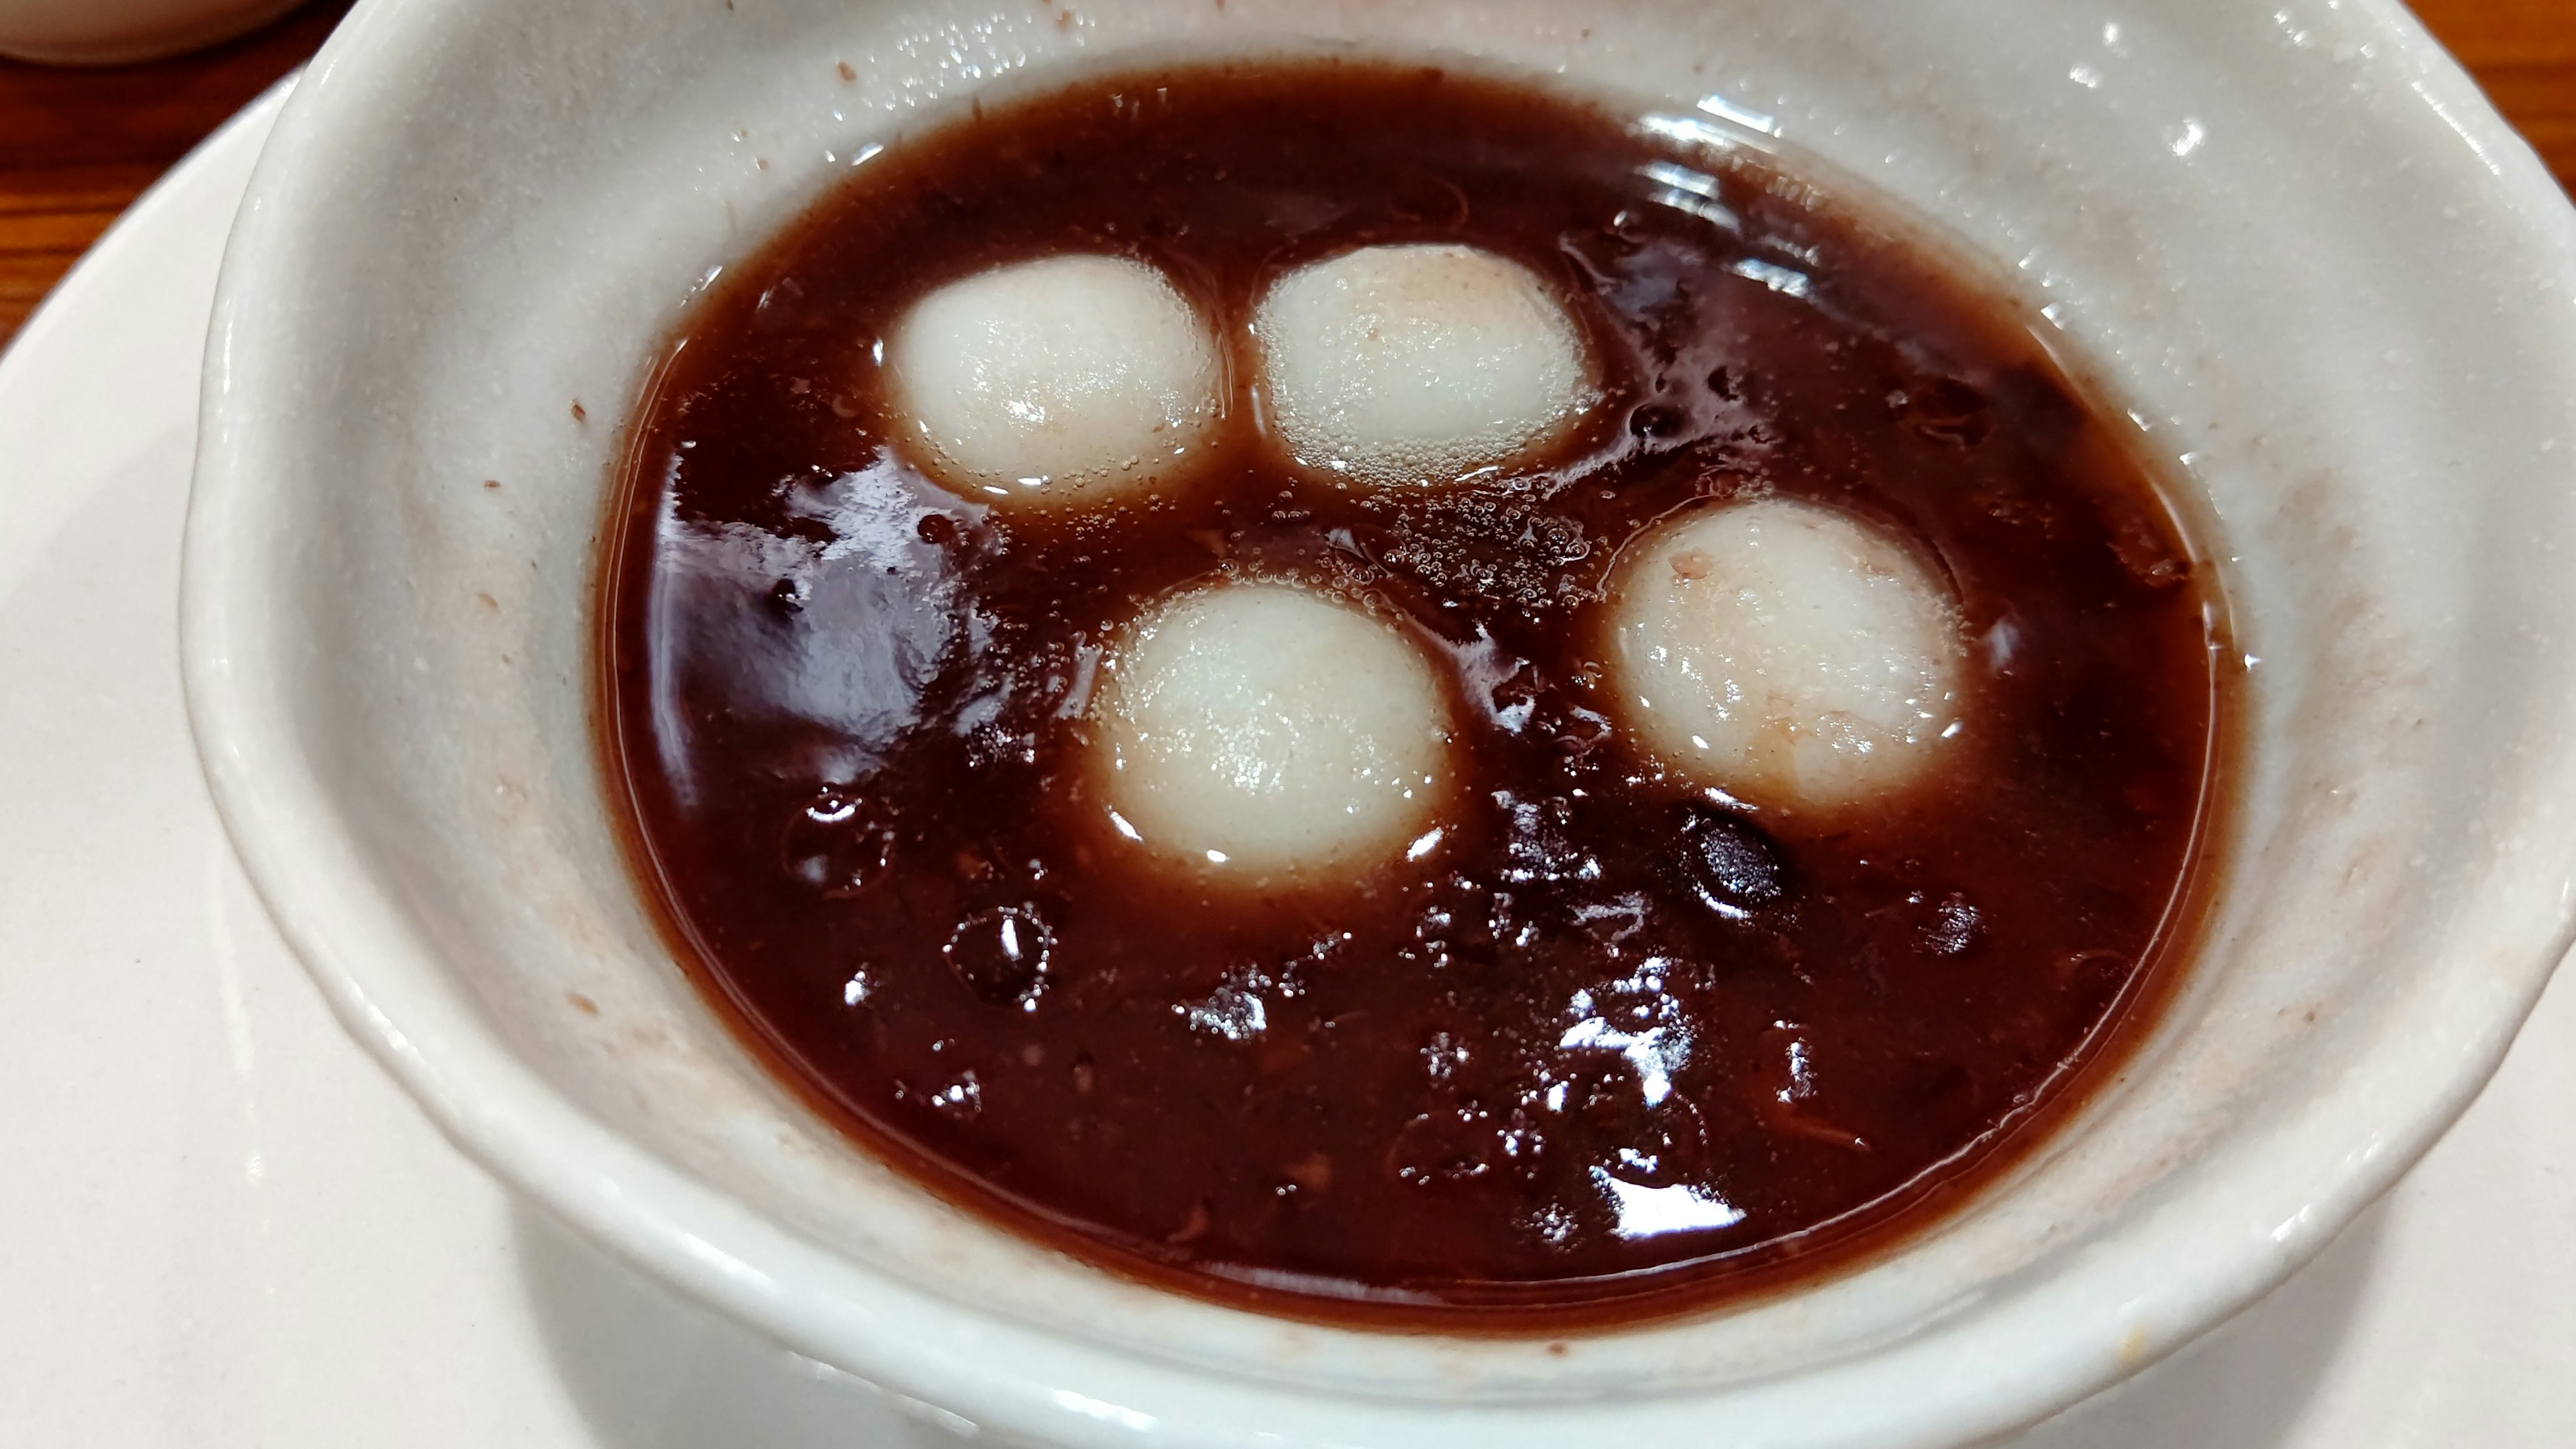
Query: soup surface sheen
{"points": [[1608, 1039]]}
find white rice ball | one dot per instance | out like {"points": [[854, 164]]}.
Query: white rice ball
{"points": [[1418, 364], [1070, 379], [1786, 653], [1262, 729]]}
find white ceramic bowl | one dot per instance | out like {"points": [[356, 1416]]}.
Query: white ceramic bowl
{"points": [[2290, 235]]}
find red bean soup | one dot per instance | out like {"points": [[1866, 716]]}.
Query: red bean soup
{"points": [[1611, 1034]]}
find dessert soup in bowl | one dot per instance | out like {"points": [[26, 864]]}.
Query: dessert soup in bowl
{"points": [[2332, 292]]}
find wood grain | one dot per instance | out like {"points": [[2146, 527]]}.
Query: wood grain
{"points": [[77, 146], [2524, 53]]}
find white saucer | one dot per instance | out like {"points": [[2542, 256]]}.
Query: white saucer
{"points": [[221, 1226]]}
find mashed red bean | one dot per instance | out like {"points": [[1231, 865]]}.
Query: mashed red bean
{"points": [[1592, 1029]]}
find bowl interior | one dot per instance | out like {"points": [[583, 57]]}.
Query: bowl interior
{"points": [[2328, 284]]}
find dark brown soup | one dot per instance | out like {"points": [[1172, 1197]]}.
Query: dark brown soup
{"points": [[1613, 1049]]}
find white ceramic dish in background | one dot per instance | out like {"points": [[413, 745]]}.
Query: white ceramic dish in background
{"points": [[120, 32], [234, 1159], [2296, 240]]}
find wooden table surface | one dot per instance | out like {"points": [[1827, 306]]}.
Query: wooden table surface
{"points": [[76, 147]]}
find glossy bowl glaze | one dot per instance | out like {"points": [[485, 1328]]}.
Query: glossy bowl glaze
{"points": [[2333, 289]]}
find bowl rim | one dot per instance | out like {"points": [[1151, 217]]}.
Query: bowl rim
{"points": [[374, 969]]}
